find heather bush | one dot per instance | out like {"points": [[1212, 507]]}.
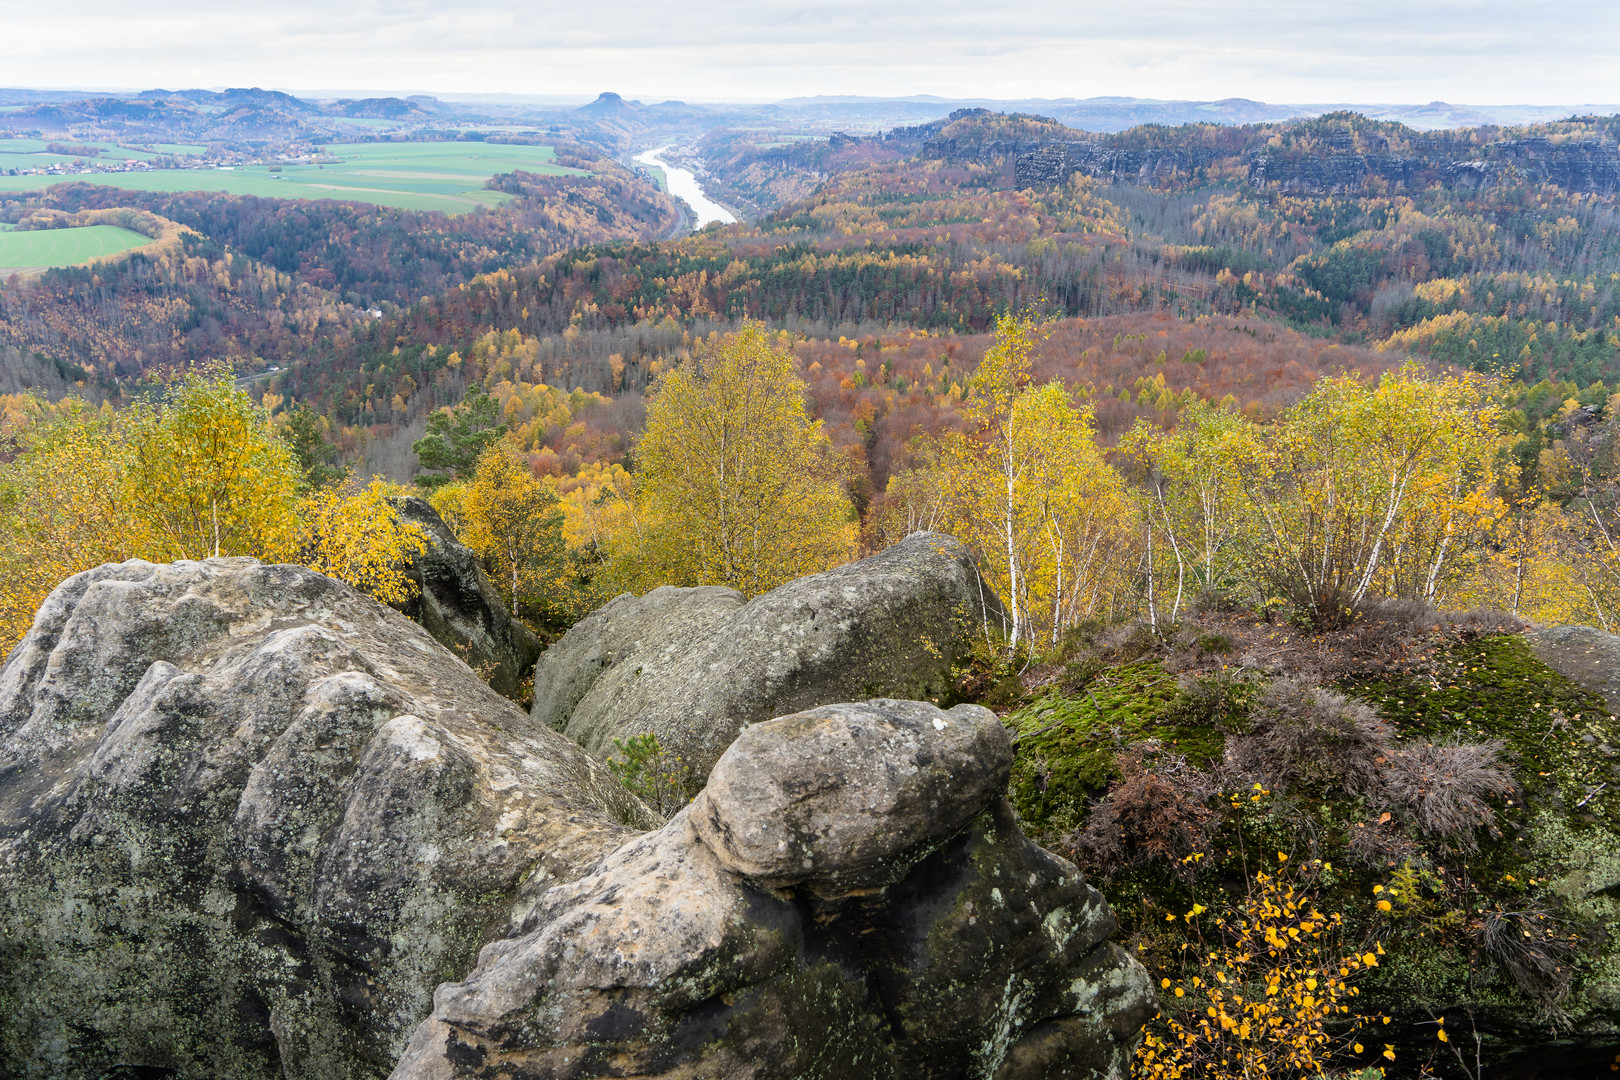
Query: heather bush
{"points": [[1485, 620], [1442, 787], [1526, 944], [1156, 813], [1305, 737], [1383, 627], [1380, 842]]}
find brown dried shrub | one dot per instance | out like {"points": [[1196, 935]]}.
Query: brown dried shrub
{"points": [[1527, 946], [1485, 620], [1129, 641], [1393, 616], [1308, 738], [1385, 631], [1156, 813], [1442, 787], [1382, 842]]}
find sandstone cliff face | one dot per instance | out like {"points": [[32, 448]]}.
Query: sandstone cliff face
{"points": [[249, 819], [1574, 166], [1337, 167], [696, 666], [1055, 163], [456, 603]]}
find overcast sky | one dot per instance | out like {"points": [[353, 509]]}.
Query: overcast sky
{"points": [[1471, 51]]}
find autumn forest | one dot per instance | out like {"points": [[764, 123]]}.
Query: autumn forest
{"points": [[1243, 424]]}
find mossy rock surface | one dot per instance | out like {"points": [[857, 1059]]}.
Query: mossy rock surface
{"points": [[1555, 850], [1068, 743], [1563, 741]]}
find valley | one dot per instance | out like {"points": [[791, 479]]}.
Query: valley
{"points": [[682, 184], [447, 177], [1233, 487]]}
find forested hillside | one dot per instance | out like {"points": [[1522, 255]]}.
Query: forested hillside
{"points": [[1224, 426], [258, 277], [1167, 287]]}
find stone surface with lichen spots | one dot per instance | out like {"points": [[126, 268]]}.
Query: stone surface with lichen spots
{"points": [[850, 897], [249, 819], [698, 665]]}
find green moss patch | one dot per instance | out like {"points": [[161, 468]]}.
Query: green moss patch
{"points": [[1563, 742], [1068, 743], [1551, 858]]}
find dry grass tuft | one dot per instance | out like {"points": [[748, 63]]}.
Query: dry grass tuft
{"points": [[1485, 620], [1523, 944], [1157, 812], [1305, 737], [1442, 787]]}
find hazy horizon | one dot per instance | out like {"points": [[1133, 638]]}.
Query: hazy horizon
{"points": [[1480, 53]]}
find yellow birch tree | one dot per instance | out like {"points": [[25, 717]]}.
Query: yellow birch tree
{"points": [[1361, 485], [514, 523], [1028, 490], [740, 486], [209, 476]]}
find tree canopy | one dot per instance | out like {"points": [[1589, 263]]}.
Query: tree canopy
{"points": [[740, 485], [456, 438]]}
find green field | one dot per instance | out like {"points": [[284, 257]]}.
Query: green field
{"points": [[31, 153], [412, 176], [64, 247]]}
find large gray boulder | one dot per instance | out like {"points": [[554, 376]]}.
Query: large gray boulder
{"points": [[456, 603], [1583, 654], [696, 666], [850, 898], [250, 818]]}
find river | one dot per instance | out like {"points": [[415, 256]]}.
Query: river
{"points": [[683, 185]]}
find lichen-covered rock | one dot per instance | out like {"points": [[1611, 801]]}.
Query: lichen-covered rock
{"points": [[696, 666], [249, 819], [847, 797], [1584, 654], [456, 603], [904, 927]]}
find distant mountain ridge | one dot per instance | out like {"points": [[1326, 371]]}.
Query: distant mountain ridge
{"points": [[1105, 114], [1111, 114], [245, 115], [1338, 152]]}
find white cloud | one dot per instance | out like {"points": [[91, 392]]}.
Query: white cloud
{"points": [[1375, 50]]}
